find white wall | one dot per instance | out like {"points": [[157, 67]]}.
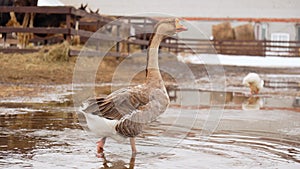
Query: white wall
{"points": [[50, 3], [197, 8], [289, 28], [203, 8]]}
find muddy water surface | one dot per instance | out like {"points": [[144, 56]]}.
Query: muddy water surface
{"points": [[197, 131]]}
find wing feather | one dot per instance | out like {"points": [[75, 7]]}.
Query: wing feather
{"points": [[117, 104], [132, 124]]}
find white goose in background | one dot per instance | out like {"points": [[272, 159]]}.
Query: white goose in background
{"points": [[123, 113], [253, 81]]}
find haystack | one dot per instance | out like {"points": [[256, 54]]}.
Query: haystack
{"points": [[57, 53], [223, 31], [244, 32], [249, 47]]}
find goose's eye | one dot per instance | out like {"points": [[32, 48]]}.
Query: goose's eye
{"points": [[180, 22]]}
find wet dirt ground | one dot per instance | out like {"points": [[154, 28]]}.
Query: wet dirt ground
{"points": [[198, 130], [202, 128]]}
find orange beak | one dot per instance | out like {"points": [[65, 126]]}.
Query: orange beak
{"points": [[179, 27]]}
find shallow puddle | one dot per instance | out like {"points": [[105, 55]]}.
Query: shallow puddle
{"points": [[201, 129]]}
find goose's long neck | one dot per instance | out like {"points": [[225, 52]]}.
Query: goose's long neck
{"points": [[152, 69]]}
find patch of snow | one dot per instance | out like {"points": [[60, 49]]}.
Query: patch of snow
{"points": [[16, 111], [58, 94], [240, 60]]}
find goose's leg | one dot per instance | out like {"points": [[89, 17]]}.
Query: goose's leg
{"points": [[100, 144], [132, 143], [132, 161], [100, 147]]}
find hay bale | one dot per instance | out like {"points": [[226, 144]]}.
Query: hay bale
{"points": [[249, 47], [244, 32], [76, 40], [222, 31], [57, 53]]}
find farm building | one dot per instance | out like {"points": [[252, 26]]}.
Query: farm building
{"points": [[271, 20], [235, 28]]}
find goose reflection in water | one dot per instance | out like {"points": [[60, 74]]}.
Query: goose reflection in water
{"points": [[252, 103], [118, 164]]}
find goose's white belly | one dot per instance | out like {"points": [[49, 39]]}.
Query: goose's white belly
{"points": [[103, 127]]}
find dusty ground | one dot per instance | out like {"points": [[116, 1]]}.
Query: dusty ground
{"points": [[52, 66], [35, 68]]}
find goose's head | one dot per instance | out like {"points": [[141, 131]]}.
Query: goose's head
{"points": [[169, 27]]}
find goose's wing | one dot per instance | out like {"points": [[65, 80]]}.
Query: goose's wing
{"points": [[131, 125], [117, 104]]}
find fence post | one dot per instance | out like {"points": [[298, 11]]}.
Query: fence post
{"points": [[98, 41], [118, 43], [128, 46], [169, 43], [144, 34], [264, 47], [221, 46], [68, 23], [176, 48]]}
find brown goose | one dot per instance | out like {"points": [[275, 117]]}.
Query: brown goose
{"points": [[123, 113]]}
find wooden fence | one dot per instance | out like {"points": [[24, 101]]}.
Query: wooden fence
{"points": [[238, 47], [229, 47], [144, 24], [72, 17]]}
